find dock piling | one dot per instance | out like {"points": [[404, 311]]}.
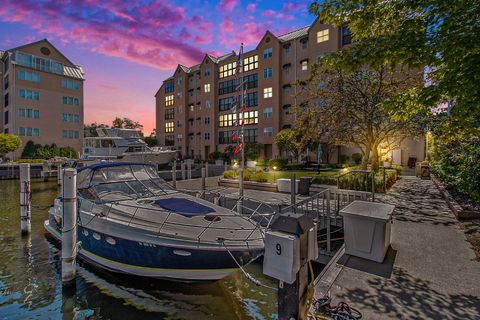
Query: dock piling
{"points": [[182, 167], [203, 178], [174, 174], [293, 184], [189, 169], [69, 226], [25, 212], [59, 175]]}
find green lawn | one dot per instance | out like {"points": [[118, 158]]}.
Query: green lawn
{"points": [[274, 175]]}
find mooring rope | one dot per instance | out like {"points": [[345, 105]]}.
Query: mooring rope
{"points": [[245, 273], [342, 311]]}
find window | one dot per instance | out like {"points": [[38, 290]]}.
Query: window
{"points": [[21, 131], [346, 35], [206, 73], [286, 49], [268, 132], [225, 104], [267, 92], [251, 81], [249, 117], [170, 140], [207, 104], [322, 36], [70, 84], [29, 113], [267, 112], [319, 58], [304, 64], [5, 81], [191, 107], [226, 87], [250, 135], [207, 135], [251, 99], [71, 134], [206, 87], [225, 137], [179, 80], [169, 127], [304, 43], [250, 63], [31, 61], [6, 100], [227, 120], [169, 100], [286, 67], [286, 89], [207, 120], [71, 101], [68, 117], [28, 76], [267, 73], [169, 86], [169, 114], [286, 109], [29, 94], [5, 117], [267, 53], [228, 69]]}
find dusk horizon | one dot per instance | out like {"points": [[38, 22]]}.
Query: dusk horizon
{"points": [[127, 50]]}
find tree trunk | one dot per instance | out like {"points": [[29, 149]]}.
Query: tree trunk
{"points": [[375, 158], [365, 158]]}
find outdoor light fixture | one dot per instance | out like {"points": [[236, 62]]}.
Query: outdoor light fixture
{"points": [[274, 169]]}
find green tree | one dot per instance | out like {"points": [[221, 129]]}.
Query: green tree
{"points": [[9, 143], [439, 35], [29, 150], [346, 107], [290, 140]]}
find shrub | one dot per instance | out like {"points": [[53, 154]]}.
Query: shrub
{"points": [[230, 174], [247, 174], [343, 158], [215, 155], [357, 158], [398, 168], [330, 180], [280, 163], [260, 177], [31, 160]]}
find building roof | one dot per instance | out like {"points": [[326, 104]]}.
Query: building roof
{"points": [[76, 72], [294, 34]]}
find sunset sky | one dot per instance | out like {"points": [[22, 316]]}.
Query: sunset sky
{"points": [[127, 48]]}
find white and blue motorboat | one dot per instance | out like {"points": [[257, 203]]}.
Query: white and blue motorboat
{"points": [[130, 221]]}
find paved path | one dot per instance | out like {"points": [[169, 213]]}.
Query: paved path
{"points": [[429, 273]]}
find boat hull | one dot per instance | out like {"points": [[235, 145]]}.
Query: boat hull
{"points": [[156, 261]]}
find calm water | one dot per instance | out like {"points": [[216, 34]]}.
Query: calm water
{"points": [[31, 288]]}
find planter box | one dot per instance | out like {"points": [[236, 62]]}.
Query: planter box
{"points": [[284, 185], [263, 186], [251, 164]]}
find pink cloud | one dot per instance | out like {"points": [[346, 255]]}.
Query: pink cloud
{"points": [[252, 33], [290, 6], [227, 5], [251, 7], [268, 13], [226, 25]]}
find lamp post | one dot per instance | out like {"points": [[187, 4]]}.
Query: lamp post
{"points": [[274, 169]]}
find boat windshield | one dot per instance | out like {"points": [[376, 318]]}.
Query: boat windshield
{"points": [[121, 182]]}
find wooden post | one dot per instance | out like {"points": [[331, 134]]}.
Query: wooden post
{"points": [[59, 175], [25, 213], [182, 167], [45, 171], [174, 174], [203, 178], [206, 169], [69, 226]]}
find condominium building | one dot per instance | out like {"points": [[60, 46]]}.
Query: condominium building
{"points": [[42, 96], [193, 105]]}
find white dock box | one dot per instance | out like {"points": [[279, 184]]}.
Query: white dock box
{"points": [[282, 256], [367, 229]]}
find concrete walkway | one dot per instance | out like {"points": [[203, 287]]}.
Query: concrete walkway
{"points": [[429, 272]]}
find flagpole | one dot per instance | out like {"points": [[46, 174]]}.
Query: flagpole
{"points": [[242, 140]]}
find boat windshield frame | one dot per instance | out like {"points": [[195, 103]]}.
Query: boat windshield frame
{"points": [[118, 182]]}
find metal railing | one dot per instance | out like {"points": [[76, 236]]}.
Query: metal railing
{"points": [[357, 185]]}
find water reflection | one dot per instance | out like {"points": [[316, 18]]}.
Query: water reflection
{"points": [[30, 283]]}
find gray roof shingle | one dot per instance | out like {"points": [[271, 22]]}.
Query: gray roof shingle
{"points": [[294, 34]]}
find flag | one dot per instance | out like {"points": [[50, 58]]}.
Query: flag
{"points": [[235, 137], [237, 148]]}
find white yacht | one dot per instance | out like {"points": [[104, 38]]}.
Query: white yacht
{"points": [[123, 145]]}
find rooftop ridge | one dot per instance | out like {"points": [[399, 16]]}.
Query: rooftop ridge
{"points": [[290, 32]]}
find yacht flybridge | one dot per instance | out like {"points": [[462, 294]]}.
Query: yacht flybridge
{"points": [[130, 221], [123, 145]]}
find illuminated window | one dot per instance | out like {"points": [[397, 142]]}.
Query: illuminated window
{"points": [[169, 100], [250, 63], [249, 117], [227, 120], [228, 69], [322, 36], [304, 65], [206, 87], [169, 126], [267, 92]]}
